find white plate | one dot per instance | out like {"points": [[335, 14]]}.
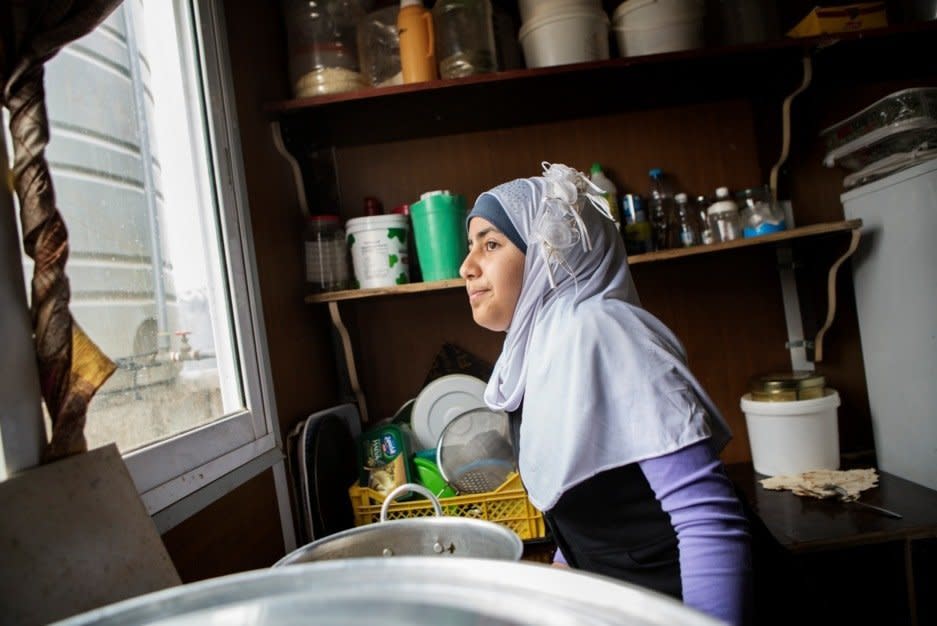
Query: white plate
{"points": [[441, 401]]}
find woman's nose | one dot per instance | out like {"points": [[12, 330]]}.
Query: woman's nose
{"points": [[468, 269]]}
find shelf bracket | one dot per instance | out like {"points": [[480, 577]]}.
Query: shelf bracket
{"points": [[806, 353], [278, 142], [349, 355], [831, 293]]}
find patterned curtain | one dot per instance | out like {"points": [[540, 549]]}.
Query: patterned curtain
{"points": [[71, 366]]}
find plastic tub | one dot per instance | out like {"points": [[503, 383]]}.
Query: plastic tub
{"points": [[378, 246], [793, 437], [573, 36], [656, 26]]}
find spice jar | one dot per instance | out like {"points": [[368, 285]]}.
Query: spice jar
{"points": [[322, 43], [326, 253]]}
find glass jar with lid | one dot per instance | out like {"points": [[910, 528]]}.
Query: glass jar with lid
{"points": [[787, 386], [323, 46], [326, 254]]}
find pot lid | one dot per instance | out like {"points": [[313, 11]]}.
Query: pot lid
{"points": [[402, 591]]}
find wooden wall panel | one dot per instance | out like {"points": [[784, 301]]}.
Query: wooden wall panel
{"points": [[702, 146], [237, 533]]}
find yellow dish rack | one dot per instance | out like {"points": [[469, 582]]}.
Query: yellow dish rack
{"points": [[507, 505]]}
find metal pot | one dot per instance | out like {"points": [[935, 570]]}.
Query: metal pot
{"points": [[407, 591], [428, 536]]}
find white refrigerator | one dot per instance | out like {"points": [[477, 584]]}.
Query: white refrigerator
{"points": [[895, 275]]}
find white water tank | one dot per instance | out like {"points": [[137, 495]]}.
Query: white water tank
{"points": [[895, 275]]}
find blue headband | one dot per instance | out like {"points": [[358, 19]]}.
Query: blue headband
{"points": [[488, 207]]}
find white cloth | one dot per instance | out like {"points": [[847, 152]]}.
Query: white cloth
{"points": [[603, 382]]}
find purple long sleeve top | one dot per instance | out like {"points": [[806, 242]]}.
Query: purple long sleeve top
{"points": [[712, 532]]}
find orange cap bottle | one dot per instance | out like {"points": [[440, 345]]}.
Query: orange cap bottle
{"points": [[417, 42]]}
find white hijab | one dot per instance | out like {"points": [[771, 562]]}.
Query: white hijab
{"points": [[603, 382]]}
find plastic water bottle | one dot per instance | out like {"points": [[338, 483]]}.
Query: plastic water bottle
{"points": [[684, 224], [659, 209], [601, 181], [706, 233]]}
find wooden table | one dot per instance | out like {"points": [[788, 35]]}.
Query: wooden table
{"points": [[833, 557]]}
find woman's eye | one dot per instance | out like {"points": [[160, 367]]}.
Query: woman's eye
{"points": [[491, 245]]}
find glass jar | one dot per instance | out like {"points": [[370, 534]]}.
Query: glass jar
{"points": [[326, 253], [379, 47], [723, 216], [759, 214], [465, 37], [322, 46]]}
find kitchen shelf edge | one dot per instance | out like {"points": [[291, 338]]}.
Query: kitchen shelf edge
{"points": [[638, 259]]}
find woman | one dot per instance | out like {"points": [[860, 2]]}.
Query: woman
{"points": [[618, 442]]}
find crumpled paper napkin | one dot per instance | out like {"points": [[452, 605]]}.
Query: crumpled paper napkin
{"points": [[819, 483]]}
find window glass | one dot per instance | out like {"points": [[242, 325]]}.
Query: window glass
{"points": [[129, 155]]}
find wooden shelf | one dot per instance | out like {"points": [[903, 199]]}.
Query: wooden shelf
{"points": [[359, 294], [784, 235], [515, 97], [651, 257]]}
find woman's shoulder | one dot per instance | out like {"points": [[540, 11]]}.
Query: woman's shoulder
{"points": [[616, 322]]}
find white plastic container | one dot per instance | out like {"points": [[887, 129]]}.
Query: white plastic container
{"points": [[378, 246], [795, 436], [570, 36], [656, 26]]}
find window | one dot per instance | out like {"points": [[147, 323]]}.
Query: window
{"points": [[143, 155]]}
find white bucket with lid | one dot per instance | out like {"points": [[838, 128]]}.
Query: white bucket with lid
{"points": [[794, 436], [656, 26], [573, 35], [378, 246]]}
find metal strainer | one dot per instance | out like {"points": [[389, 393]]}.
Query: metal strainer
{"points": [[474, 452]]}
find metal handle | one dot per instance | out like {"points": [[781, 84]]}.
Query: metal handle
{"points": [[407, 487]]}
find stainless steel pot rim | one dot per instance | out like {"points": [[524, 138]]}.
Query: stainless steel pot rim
{"points": [[504, 592], [442, 524]]}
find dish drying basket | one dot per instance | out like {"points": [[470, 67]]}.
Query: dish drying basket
{"points": [[507, 505]]}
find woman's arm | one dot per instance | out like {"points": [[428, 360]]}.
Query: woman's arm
{"points": [[715, 557]]}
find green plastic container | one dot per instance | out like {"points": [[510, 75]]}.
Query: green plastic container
{"points": [[439, 226], [431, 478]]}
